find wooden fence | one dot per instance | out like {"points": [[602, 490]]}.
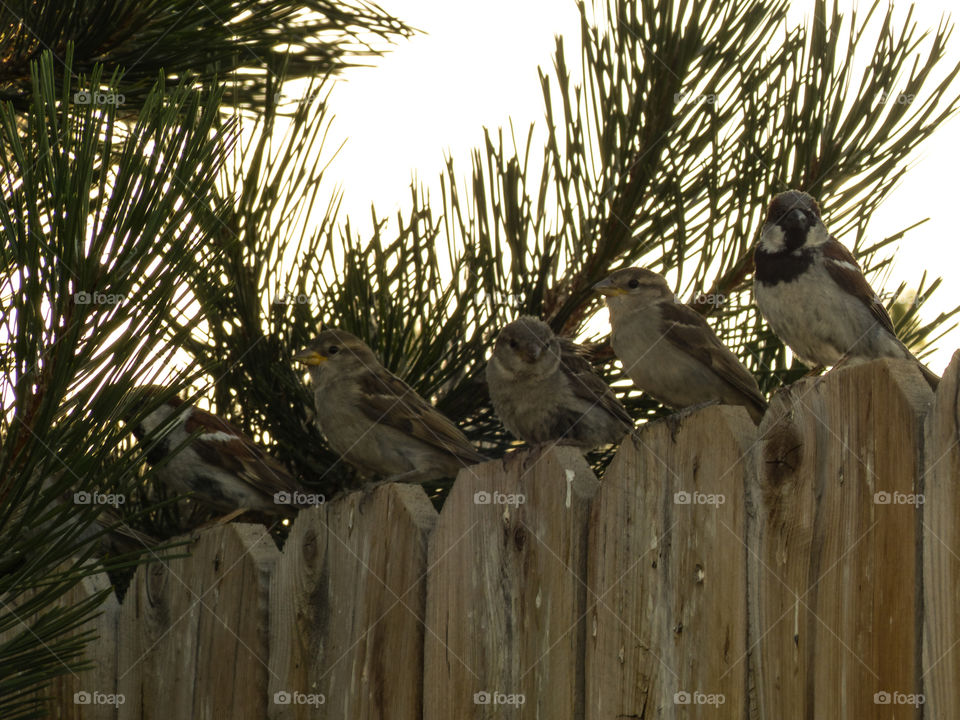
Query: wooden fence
{"points": [[808, 568]]}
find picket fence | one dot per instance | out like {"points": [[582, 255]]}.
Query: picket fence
{"points": [[805, 568]]}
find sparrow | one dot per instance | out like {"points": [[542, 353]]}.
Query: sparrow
{"points": [[374, 420], [668, 349], [811, 290], [543, 389], [218, 464]]}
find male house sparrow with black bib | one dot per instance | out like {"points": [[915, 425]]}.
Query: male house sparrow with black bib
{"points": [[216, 462], [377, 422], [811, 290], [544, 390], [668, 349]]}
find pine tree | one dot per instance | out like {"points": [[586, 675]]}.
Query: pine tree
{"points": [[205, 204], [116, 122]]}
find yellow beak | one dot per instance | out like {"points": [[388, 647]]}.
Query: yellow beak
{"points": [[310, 357]]}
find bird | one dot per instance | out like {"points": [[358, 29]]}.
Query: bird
{"points": [[544, 390], [204, 455], [668, 349], [811, 290], [374, 420]]}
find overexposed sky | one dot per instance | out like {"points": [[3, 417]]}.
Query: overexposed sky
{"points": [[476, 65]]}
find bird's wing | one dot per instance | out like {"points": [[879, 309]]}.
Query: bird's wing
{"points": [[223, 445], [586, 384], [687, 330], [389, 401], [846, 273]]}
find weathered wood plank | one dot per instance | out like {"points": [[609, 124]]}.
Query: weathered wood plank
{"points": [[941, 551], [834, 575], [90, 695], [194, 631], [667, 582], [348, 599], [506, 590]]}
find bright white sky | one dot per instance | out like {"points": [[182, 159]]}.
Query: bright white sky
{"points": [[477, 66]]}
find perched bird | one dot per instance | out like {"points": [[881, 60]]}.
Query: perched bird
{"points": [[812, 292], [668, 349], [210, 458], [374, 420], [544, 390]]}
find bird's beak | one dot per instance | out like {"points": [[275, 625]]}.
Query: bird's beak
{"points": [[795, 219], [530, 354], [605, 287], [310, 357]]}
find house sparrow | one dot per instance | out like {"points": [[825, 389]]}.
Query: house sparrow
{"points": [[543, 389], [668, 349], [223, 468], [374, 420], [812, 292]]}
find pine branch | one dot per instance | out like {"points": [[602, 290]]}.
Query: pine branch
{"points": [[84, 304], [236, 42]]}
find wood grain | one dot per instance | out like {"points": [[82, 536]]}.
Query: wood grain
{"points": [[667, 582], [941, 551], [506, 592], [194, 630], [348, 601], [835, 575]]}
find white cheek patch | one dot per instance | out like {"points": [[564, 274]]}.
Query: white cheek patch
{"points": [[771, 239], [817, 235]]}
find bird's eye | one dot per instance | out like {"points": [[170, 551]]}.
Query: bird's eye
{"points": [[633, 284], [512, 344], [333, 350]]}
